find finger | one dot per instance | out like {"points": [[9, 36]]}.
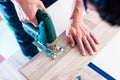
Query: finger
{"points": [[81, 47], [71, 40], [87, 45], [94, 38], [92, 43], [35, 22], [70, 37], [25, 19]]}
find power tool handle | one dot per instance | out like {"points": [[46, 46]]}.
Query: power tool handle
{"points": [[48, 24]]}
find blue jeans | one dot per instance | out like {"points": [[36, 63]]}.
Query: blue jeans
{"points": [[47, 3], [25, 41]]}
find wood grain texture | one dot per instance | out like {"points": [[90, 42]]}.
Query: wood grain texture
{"points": [[88, 74], [70, 63]]}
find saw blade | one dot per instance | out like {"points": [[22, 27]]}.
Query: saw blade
{"points": [[46, 50]]}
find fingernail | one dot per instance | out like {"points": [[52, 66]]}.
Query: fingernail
{"points": [[91, 53], [72, 45], [83, 54], [98, 42], [95, 50]]}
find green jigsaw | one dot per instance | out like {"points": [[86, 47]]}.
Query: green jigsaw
{"points": [[44, 35]]}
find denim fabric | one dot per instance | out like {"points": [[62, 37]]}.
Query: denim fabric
{"points": [[25, 41], [4, 0], [47, 3]]}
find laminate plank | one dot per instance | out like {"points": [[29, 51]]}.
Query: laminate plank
{"points": [[88, 74], [70, 62]]}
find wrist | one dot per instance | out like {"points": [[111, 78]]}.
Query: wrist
{"points": [[75, 21]]}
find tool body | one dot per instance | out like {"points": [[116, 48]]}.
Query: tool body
{"points": [[44, 35]]}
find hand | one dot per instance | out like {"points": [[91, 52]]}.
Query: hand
{"points": [[79, 33], [26, 10]]}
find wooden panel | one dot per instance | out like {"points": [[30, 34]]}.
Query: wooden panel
{"points": [[88, 74], [70, 63]]}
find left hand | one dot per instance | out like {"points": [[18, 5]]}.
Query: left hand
{"points": [[79, 33]]}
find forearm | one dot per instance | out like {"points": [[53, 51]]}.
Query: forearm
{"points": [[22, 4], [78, 10], [18, 2]]}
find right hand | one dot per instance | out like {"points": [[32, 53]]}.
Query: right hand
{"points": [[26, 10]]}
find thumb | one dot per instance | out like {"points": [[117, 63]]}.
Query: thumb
{"points": [[70, 38], [35, 22], [41, 6]]}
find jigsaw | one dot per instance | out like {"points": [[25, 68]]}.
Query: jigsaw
{"points": [[44, 35]]}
